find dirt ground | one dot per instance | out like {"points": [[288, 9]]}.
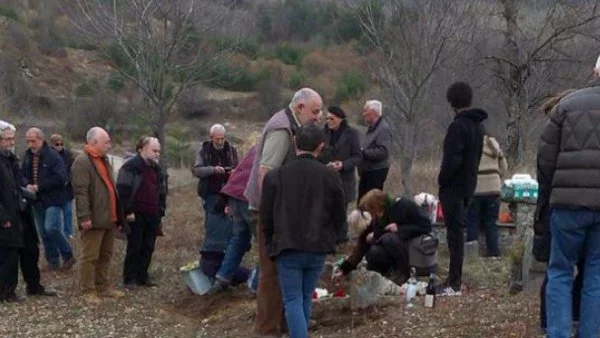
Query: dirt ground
{"points": [[485, 310]]}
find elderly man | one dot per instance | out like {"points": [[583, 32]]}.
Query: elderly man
{"points": [[376, 147], [99, 215], [28, 254], [142, 189], [45, 174], [275, 148], [214, 162], [57, 142], [569, 156]]}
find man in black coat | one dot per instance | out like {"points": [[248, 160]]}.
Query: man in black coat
{"points": [[28, 253], [44, 173], [457, 179], [303, 215]]}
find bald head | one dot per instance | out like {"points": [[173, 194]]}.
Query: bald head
{"points": [[98, 139], [35, 139], [307, 105]]}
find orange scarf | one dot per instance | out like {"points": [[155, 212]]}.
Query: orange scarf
{"points": [[100, 164]]}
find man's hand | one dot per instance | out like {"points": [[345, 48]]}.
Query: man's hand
{"points": [[370, 238], [7, 225], [392, 227], [87, 225], [219, 170], [32, 187], [228, 211], [130, 218]]}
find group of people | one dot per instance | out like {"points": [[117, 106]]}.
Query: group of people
{"points": [[291, 192], [37, 197]]}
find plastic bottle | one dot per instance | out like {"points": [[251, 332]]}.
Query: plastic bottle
{"points": [[411, 290]]}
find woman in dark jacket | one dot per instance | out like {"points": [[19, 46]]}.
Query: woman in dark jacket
{"points": [[386, 240], [343, 150], [541, 227]]}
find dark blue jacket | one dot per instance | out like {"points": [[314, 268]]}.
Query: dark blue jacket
{"points": [[68, 159], [52, 176]]}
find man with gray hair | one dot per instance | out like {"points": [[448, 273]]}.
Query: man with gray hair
{"points": [[28, 254], [376, 147], [214, 162], [45, 174], [275, 148], [99, 215]]}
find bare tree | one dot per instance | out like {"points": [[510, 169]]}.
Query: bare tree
{"points": [[531, 53], [161, 46], [412, 40]]}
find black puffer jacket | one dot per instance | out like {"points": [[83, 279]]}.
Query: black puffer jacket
{"points": [[463, 146], [569, 151]]}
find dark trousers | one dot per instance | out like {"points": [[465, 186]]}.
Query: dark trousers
{"points": [[455, 214], [577, 288], [484, 210], [389, 256], [373, 179], [9, 271], [29, 257], [140, 247]]}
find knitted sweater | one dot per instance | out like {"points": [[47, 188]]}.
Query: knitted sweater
{"points": [[492, 168]]}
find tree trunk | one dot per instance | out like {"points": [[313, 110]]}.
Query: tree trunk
{"points": [[158, 128], [514, 84], [407, 157]]}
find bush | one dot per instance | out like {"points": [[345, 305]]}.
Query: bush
{"points": [[297, 80], [9, 12], [289, 54], [352, 85], [231, 77], [87, 88], [248, 47], [116, 81]]}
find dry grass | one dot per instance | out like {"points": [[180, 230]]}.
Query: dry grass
{"points": [[171, 311]]}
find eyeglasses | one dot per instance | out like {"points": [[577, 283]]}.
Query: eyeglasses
{"points": [[329, 118], [59, 144]]}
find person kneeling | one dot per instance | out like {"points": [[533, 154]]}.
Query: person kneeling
{"points": [[385, 241], [304, 217]]}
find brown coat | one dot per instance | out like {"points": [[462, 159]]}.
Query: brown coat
{"points": [[492, 168], [92, 198]]}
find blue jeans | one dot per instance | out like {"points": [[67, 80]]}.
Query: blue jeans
{"points": [[50, 225], [484, 209], [217, 226], [575, 235], [299, 273], [244, 228], [67, 209]]}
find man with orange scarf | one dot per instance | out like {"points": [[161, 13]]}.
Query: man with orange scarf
{"points": [[98, 213]]}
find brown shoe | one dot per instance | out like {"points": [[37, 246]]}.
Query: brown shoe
{"points": [[111, 293], [92, 298]]}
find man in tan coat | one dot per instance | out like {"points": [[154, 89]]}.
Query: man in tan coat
{"points": [[98, 213]]}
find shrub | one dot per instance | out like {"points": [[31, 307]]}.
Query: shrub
{"points": [[116, 81], [248, 47], [351, 86], [297, 80], [289, 54], [9, 12], [231, 77], [87, 88]]}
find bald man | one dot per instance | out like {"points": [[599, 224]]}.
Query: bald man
{"points": [[45, 174], [99, 215]]}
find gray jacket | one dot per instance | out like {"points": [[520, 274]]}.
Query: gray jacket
{"points": [[569, 151], [376, 145]]}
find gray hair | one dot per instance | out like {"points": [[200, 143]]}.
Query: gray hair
{"points": [[92, 134], [375, 105], [216, 128], [303, 95], [37, 131], [6, 126]]}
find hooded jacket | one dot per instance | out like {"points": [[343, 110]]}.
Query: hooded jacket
{"points": [[463, 146]]}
